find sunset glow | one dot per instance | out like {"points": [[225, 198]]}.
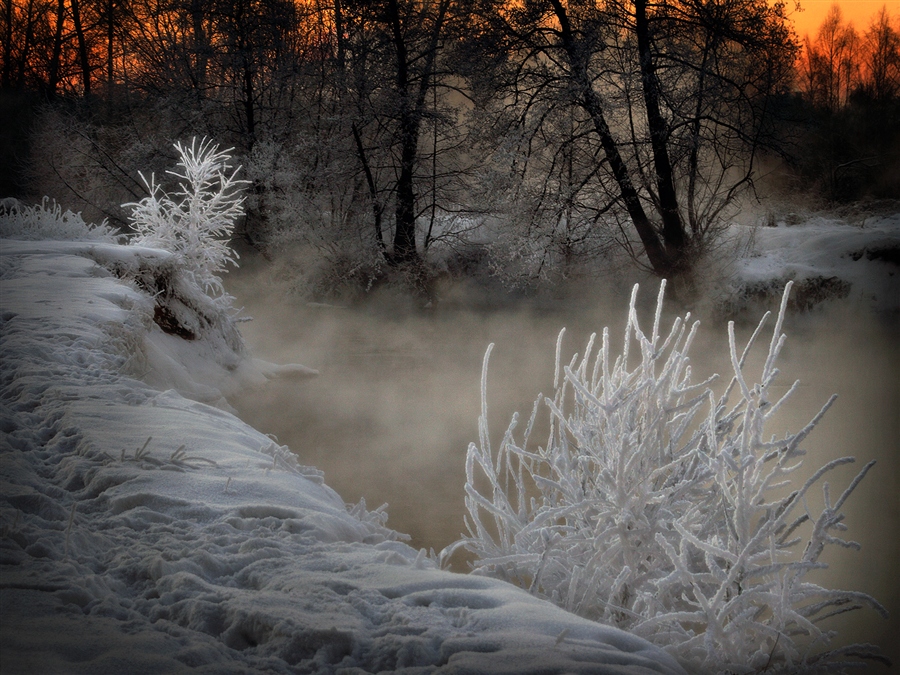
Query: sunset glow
{"points": [[859, 12]]}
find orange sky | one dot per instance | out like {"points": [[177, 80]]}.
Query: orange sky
{"points": [[857, 11]]}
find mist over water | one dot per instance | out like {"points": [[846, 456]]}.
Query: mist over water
{"points": [[397, 401]]}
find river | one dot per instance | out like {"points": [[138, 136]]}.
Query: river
{"points": [[397, 400]]}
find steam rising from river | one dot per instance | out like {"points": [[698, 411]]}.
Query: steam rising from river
{"points": [[397, 402]]}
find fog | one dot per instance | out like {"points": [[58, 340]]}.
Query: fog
{"points": [[397, 401]]}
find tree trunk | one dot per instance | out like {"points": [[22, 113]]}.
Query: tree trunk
{"points": [[339, 37], [656, 253], [56, 56], [590, 102], [7, 47], [249, 103], [110, 35], [83, 57], [694, 156], [673, 228], [200, 46], [377, 208], [405, 225], [27, 45]]}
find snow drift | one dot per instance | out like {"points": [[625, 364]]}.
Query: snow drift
{"points": [[828, 258]]}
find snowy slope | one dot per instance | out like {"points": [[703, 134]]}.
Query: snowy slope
{"points": [[207, 548]]}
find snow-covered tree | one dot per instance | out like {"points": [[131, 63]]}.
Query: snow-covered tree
{"points": [[196, 221]]}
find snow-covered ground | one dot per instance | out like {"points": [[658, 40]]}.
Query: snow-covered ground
{"points": [[828, 258], [145, 529]]}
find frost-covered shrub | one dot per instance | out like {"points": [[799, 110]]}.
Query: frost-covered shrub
{"points": [[47, 220], [196, 221], [661, 508]]}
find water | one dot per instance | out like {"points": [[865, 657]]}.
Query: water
{"points": [[396, 405]]}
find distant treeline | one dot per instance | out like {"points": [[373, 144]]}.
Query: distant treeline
{"points": [[558, 132], [848, 110]]}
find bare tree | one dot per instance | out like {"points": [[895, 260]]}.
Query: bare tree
{"points": [[850, 86], [47, 45], [881, 57], [669, 101], [830, 64], [396, 81]]}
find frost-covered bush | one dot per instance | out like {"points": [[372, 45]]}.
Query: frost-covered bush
{"points": [[196, 221], [664, 509], [47, 220]]}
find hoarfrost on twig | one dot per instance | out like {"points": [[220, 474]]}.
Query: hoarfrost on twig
{"points": [[196, 221], [656, 506]]}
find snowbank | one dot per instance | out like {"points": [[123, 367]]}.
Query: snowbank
{"points": [[828, 258], [147, 531]]}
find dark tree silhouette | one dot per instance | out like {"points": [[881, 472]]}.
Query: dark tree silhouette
{"points": [[393, 50], [672, 96], [847, 113]]}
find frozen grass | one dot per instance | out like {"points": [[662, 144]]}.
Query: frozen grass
{"points": [[47, 220], [659, 507]]}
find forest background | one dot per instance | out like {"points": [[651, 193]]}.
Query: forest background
{"points": [[529, 142]]}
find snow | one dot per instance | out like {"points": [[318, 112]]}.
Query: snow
{"points": [[864, 255], [146, 529]]}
